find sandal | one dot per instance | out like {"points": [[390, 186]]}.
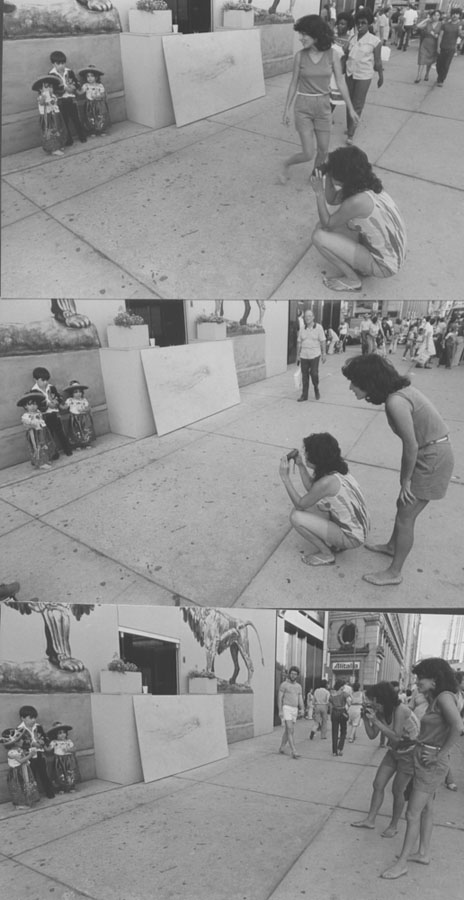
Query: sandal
{"points": [[451, 786], [337, 284], [318, 560]]}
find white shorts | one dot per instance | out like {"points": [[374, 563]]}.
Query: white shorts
{"points": [[290, 713]]}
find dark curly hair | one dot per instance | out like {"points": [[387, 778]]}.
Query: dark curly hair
{"points": [[351, 167], [316, 28], [323, 452], [376, 375], [441, 672], [345, 17], [384, 693], [363, 12]]}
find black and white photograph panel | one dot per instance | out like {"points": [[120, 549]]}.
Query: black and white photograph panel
{"points": [[267, 454], [189, 753], [176, 149]]}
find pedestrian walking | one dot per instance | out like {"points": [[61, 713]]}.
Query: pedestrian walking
{"points": [[385, 714], [440, 727], [450, 34], [332, 515], [365, 235], [429, 30], [339, 702], [290, 707], [313, 68], [427, 458], [363, 58], [321, 709], [310, 350], [354, 712], [409, 19]]}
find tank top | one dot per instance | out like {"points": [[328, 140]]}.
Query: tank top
{"points": [[434, 730], [382, 232], [314, 78], [427, 422], [347, 508]]}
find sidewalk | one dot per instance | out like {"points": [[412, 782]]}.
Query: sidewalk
{"points": [[196, 212], [255, 826], [201, 516]]}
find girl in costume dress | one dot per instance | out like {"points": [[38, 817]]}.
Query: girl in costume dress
{"points": [[21, 782], [96, 113], [39, 439], [51, 123], [81, 427], [65, 770]]}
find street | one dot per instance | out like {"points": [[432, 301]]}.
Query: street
{"points": [[208, 516], [256, 826], [197, 211]]}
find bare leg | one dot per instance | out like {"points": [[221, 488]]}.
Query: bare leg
{"points": [[320, 533], [288, 737], [322, 142], [398, 787], [416, 805], [384, 773], [306, 154], [426, 827], [401, 542], [347, 256]]}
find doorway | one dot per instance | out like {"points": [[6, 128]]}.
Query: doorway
{"points": [[191, 15], [155, 657], [165, 320]]}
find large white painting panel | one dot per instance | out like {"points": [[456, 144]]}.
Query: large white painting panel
{"points": [[179, 733], [211, 72], [190, 382]]}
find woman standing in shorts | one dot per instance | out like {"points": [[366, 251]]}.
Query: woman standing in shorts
{"points": [[441, 726], [312, 70], [427, 458]]}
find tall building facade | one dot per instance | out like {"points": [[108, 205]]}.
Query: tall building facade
{"points": [[453, 645], [371, 646]]}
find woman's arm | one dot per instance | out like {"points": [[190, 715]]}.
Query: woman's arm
{"points": [[399, 411], [378, 64], [369, 724], [292, 88], [324, 487], [358, 206], [306, 478], [341, 84], [452, 717]]}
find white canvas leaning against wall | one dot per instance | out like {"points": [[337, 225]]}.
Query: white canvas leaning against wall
{"points": [[190, 382], [178, 733], [211, 72]]}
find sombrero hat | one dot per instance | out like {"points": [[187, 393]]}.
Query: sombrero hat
{"points": [[92, 69], [56, 727], [50, 79], [30, 397], [74, 386]]}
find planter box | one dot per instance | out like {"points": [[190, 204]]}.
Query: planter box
{"points": [[250, 357], [238, 18], [135, 338], [120, 682], [202, 686], [157, 22], [211, 331]]}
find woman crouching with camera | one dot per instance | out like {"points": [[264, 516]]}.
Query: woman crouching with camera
{"points": [[332, 514], [383, 712], [440, 727]]}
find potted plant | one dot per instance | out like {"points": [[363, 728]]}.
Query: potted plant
{"points": [[120, 677], [202, 682], [128, 332], [211, 328], [238, 14], [150, 17]]}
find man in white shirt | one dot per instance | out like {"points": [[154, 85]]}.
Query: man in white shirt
{"points": [[311, 347], [410, 19]]}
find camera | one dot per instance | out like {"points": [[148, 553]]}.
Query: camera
{"points": [[292, 455]]}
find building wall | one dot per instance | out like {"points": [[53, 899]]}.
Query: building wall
{"points": [[378, 648]]}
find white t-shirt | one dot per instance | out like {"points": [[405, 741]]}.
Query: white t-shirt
{"points": [[410, 16], [360, 62]]}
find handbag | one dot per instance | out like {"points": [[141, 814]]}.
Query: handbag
{"points": [[297, 378], [385, 53]]}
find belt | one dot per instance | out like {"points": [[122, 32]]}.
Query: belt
{"points": [[321, 94], [441, 440]]}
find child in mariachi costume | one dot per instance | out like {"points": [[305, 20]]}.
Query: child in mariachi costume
{"points": [[81, 428], [96, 112], [65, 771], [39, 440], [20, 780], [51, 123], [68, 93], [33, 738], [51, 403]]}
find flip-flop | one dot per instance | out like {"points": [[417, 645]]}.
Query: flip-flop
{"points": [[451, 786], [318, 560], [362, 825], [373, 579], [337, 284]]}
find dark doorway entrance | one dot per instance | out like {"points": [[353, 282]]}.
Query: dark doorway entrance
{"points": [[191, 15], [165, 319], [156, 658]]}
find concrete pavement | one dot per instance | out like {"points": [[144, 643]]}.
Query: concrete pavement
{"points": [[200, 515], [196, 212], [256, 826]]}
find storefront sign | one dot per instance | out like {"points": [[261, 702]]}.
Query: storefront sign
{"points": [[345, 666]]}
